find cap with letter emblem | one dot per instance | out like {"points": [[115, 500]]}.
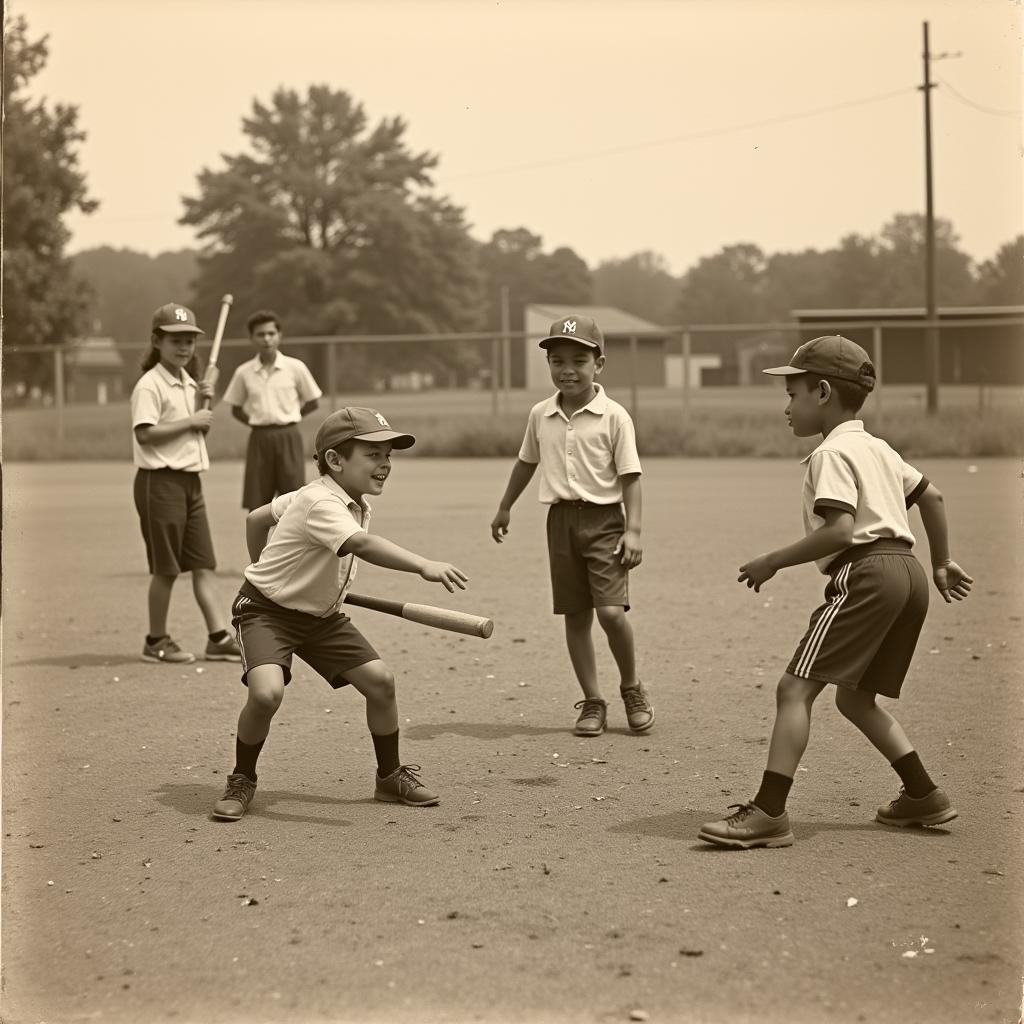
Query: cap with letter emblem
{"points": [[581, 329]]}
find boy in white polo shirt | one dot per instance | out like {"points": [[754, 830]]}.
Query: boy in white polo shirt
{"points": [[590, 477], [290, 602], [169, 427], [857, 493], [271, 393]]}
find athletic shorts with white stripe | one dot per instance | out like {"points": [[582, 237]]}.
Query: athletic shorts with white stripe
{"points": [[863, 636]]}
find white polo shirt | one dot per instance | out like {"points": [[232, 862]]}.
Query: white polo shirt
{"points": [[272, 396], [159, 397], [859, 473], [300, 568], [581, 456]]}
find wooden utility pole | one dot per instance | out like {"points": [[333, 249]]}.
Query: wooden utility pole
{"points": [[931, 332]]}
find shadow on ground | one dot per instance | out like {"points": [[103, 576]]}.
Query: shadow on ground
{"points": [[196, 801], [476, 730]]}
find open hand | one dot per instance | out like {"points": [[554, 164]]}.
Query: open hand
{"points": [[446, 574], [953, 583], [756, 572]]}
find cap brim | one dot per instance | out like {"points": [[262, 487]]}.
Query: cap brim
{"points": [[783, 371], [397, 440], [565, 337], [179, 329]]}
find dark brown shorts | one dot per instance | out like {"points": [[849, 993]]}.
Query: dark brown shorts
{"points": [[585, 571], [268, 634], [172, 514], [863, 636], [274, 464]]}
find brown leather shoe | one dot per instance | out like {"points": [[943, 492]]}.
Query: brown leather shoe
{"points": [[639, 712], [592, 718]]}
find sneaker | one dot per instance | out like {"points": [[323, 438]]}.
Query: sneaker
{"points": [[592, 718], [639, 712], [223, 650], [166, 650], [748, 827], [933, 809], [403, 786], [236, 799]]}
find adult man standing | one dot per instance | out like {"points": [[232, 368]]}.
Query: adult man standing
{"points": [[271, 393]]}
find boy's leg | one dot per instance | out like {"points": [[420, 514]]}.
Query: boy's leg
{"points": [[221, 645], [158, 646], [764, 821], [395, 782], [616, 625], [265, 685], [921, 801], [580, 643]]}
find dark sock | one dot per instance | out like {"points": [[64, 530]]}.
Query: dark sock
{"points": [[386, 749], [153, 639], [245, 758], [218, 636], [916, 781], [771, 797]]}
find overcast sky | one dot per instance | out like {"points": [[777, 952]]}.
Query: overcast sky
{"points": [[610, 127]]}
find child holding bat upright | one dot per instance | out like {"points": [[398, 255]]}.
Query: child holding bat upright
{"points": [[169, 426], [590, 477], [290, 601]]}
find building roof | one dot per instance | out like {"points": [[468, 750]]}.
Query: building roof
{"points": [[613, 321], [884, 313], [94, 353]]}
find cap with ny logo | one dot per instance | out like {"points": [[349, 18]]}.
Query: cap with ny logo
{"points": [[174, 318], [581, 329]]}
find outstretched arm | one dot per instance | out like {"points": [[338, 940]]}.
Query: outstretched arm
{"points": [[833, 536], [952, 582], [522, 474], [389, 555]]}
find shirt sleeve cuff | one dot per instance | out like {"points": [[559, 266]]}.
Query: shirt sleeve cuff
{"points": [[843, 506], [917, 492]]}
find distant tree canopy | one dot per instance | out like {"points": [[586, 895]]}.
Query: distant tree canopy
{"points": [[44, 302], [332, 223], [640, 284], [1001, 279], [514, 258]]}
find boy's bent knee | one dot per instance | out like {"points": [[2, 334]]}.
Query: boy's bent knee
{"points": [[794, 688], [611, 616], [266, 688], [374, 680], [853, 702]]}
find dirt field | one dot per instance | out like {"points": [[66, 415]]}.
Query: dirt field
{"points": [[560, 879]]}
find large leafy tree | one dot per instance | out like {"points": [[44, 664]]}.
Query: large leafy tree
{"points": [[641, 284], [333, 223], [43, 301], [1001, 279]]}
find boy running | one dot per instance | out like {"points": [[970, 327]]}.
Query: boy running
{"points": [[590, 477], [856, 495], [290, 601]]}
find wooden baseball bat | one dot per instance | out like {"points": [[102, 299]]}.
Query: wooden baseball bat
{"points": [[427, 615], [218, 335]]}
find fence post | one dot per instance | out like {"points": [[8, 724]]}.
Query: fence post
{"points": [[331, 390], [633, 373], [58, 396], [506, 349], [495, 367], [876, 335], [686, 380]]}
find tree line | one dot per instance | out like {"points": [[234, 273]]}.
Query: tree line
{"points": [[335, 223]]}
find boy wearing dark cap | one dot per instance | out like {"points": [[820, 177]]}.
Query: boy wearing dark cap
{"points": [[857, 493], [169, 427], [585, 446], [290, 601]]}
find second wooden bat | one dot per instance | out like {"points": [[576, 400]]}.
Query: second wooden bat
{"points": [[426, 614]]}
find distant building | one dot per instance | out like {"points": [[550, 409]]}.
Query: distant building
{"points": [[658, 359], [93, 372], [967, 355]]}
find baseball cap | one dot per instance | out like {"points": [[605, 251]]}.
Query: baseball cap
{"points": [[174, 318], [582, 329], [831, 355], [359, 423]]}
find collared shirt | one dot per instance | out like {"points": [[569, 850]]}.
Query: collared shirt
{"points": [[300, 567], [859, 473], [272, 396], [159, 397], [582, 456]]}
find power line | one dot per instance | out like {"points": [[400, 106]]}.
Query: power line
{"points": [[977, 106], [707, 134]]}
